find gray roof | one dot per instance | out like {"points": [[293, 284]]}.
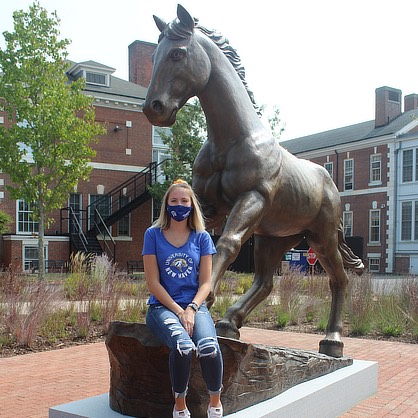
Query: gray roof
{"points": [[348, 134], [119, 89], [91, 63]]}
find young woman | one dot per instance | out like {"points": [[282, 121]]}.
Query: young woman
{"points": [[177, 258]]}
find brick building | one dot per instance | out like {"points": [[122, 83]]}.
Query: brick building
{"points": [[375, 167], [117, 187]]}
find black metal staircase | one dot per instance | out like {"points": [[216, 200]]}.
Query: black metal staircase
{"points": [[119, 202], [133, 191]]}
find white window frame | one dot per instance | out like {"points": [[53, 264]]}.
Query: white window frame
{"points": [[329, 166], [349, 173], [406, 220], [371, 226], [348, 223], [26, 213], [415, 221], [91, 214], [126, 218], [97, 73], [375, 169], [374, 264], [156, 137], [77, 208], [27, 261], [409, 226], [408, 170], [160, 155]]}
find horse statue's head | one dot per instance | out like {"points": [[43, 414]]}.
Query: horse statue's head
{"points": [[181, 69]]}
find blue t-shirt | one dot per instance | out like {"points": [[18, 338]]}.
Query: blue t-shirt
{"points": [[179, 267]]}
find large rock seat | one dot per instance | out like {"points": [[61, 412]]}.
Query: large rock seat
{"points": [[140, 384]]}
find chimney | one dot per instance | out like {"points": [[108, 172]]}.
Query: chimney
{"points": [[140, 62], [410, 102], [388, 105]]}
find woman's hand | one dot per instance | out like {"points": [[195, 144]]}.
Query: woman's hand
{"points": [[187, 320]]}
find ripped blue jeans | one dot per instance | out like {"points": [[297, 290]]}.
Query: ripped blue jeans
{"points": [[167, 327]]}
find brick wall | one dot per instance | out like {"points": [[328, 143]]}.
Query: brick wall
{"points": [[58, 250], [130, 146], [361, 159], [388, 105], [140, 63], [361, 204]]}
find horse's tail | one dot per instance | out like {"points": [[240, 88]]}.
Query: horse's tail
{"points": [[350, 260]]}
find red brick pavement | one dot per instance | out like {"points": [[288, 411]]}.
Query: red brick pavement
{"points": [[32, 383]]}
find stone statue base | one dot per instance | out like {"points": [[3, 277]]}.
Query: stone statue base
{"points": [[140, 384]]}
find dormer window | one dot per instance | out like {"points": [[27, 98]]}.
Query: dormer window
{"points": [[94, 73], [96, 78]]}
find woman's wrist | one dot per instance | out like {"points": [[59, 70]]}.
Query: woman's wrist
{"points": [[194, 306]]}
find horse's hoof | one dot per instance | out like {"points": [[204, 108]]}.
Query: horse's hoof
{"points": [[227, 329], [331, 348]]}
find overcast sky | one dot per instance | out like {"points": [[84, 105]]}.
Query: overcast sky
{"points": [[319, 61]]}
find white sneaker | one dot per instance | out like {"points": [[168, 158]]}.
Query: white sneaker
{"points": [[184, 413], [215, 412]]}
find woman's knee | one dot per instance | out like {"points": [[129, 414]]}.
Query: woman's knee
{"points": [[185, 346], [208, 347]]}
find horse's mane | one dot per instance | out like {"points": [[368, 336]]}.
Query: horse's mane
{"points": [[176, 31]]}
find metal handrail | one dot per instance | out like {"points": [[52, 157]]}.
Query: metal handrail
{"points": [[104, 231], [79, 231], [132, 187]]}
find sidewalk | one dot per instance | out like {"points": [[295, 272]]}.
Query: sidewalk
{"points": [[32, 383]]}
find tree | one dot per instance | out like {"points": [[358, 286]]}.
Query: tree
{"points": [[5, 221], [47, 148], [275, 123], [184, 141]]}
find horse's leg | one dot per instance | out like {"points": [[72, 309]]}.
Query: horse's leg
{"points": [[268, 252], [326, 249], [241, 223]]}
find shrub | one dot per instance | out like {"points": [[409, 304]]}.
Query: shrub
{"points": [[79, 284], [323, 315], [243, 285], [390, 320], [132, 311], [359, 304], [409, 299], [282, 318], [289, 297], [26, 310], [55, 326], [222, 303]]}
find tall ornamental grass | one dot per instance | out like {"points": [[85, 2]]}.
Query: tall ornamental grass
{"points": [[95, 292]]}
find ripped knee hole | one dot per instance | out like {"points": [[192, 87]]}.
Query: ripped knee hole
{"points": [[207, 347]]}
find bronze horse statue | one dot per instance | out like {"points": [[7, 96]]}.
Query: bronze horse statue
{"points": [[243, 176]]}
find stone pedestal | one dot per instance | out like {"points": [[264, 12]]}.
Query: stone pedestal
{"points": [[140, 385]]}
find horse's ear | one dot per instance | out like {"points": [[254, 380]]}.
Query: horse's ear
{"points": [[160, 23], [185, 18]]}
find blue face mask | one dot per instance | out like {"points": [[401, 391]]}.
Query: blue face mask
{"points": [[179, 213]]}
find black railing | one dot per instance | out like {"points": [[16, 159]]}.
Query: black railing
{"points": [[127, 196], [106, 210], [51, 266], [104, 232], [77, 236]]}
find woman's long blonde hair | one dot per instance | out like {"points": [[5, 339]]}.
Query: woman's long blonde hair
{"points": [[195, 221]]}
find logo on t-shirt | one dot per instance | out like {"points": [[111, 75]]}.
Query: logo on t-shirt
{"points": [[179, 265]]}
